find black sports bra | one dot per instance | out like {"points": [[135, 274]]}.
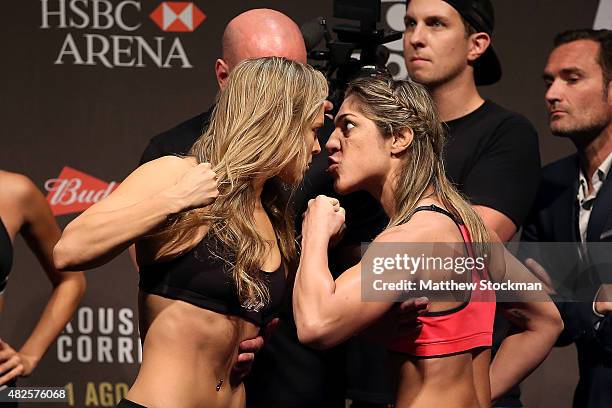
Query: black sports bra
{"points": [[201, 278], [6, 256]]}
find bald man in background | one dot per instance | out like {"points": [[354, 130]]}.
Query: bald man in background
{"points": [[252, 34], [285, 373]]}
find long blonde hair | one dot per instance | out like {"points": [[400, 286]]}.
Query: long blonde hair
{"points": [[399, 105], [256, 132]]}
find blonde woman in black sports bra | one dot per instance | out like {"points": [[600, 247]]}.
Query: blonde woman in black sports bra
{"points": [[213, 235]]}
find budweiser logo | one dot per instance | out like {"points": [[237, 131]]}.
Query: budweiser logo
{"points": [[74, 191], [175, 16]]}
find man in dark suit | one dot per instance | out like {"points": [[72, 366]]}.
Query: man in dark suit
{"points": [[574, 204]]}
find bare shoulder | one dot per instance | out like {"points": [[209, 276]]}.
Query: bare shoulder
{"points": [[172, 164], [156, 174], [21, 201], [392, 234], [16, 188], [434, 228], [493, 237]]}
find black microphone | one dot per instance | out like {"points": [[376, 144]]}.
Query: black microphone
{"points": [[313, 32]]}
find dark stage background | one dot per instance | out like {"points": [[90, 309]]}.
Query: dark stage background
{"points": [[84, 90]]}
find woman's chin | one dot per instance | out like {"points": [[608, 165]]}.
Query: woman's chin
{"points": [[292, 179], [341, 187]]}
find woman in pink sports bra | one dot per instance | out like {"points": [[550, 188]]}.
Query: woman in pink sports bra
{"points": [[389, 142]]}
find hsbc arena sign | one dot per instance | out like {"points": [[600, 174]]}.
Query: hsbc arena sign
{"points": [[87, 22]]}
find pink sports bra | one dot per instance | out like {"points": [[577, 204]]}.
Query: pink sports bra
{"points": [[465, 327]]}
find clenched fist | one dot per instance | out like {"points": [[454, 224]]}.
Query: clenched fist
{"points": [[324, 216], [197, 187]]}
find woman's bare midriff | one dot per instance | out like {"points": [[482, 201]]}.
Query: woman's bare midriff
{"points": [[188, 355], [457, 381]]}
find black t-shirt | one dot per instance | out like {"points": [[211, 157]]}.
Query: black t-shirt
{"points": [[286, 373], [493, 158]]}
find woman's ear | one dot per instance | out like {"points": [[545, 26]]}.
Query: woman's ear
{"points": [[401, 141]]}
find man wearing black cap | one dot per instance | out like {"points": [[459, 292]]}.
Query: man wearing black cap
{"points": [[492, 154]]}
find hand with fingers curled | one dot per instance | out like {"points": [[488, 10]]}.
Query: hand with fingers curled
{"points": [[400, 321], [248, 349], [408, 313], [14, 364], [324, 217], [542, 274], [196, 188]]}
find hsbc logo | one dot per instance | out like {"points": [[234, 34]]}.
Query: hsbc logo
{"points": [[177, 16], [87, 21], [74, 191]]}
